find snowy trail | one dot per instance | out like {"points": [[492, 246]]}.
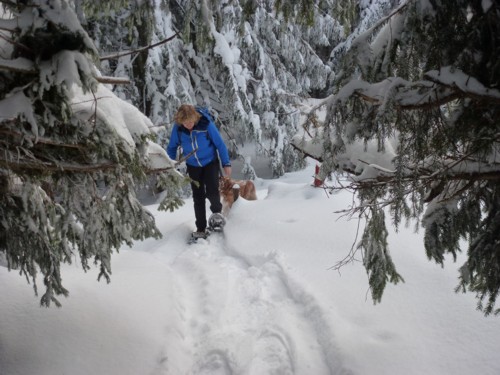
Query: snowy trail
{"points": [[261, 300], [246, 316]]}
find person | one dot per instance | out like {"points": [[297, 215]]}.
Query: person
{"points": [[202, 146]]}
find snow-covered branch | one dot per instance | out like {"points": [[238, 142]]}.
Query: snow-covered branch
{"points": [[113, 80], [438, 88], [20, 65], [23, 65], [26, 165]]}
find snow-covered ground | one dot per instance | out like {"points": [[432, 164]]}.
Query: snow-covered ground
{"points": [[263, 299]]}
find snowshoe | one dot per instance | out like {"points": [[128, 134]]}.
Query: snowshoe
{"points": [[195, 236], [216, 222]]}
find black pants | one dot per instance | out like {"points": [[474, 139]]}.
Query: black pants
{"points": [[207, 187]]}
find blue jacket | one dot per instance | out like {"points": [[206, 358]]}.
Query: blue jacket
{"points": [[204, 138]]}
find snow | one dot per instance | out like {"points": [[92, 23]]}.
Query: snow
{"points": [[65, 68], [125, 119], [19, 64], [363, 159], [451, 76], [486, 4], [263, 299], [56, 11], [17, 104]]}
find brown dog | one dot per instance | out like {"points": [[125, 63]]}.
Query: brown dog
{"points": [[231, 189]]}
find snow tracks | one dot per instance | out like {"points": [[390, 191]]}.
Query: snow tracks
{"points": [[234, 315]]}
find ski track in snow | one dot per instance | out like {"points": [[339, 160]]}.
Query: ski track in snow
{"points": [[243, 315]]}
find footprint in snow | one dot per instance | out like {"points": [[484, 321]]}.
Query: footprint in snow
{"points": [[215, 363]]}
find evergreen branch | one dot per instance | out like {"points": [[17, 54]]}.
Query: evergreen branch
{"points": [[457, 176], [364, 36], [22, 65], [10, 25], [426, 179], [19, 65], [138, 50], [42, 140], [456, 93], [11, 4], [158, 170], [452, 93], [55, 167], [315, 157]]}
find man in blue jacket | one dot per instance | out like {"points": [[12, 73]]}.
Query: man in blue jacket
{"points": [[203, 145]]}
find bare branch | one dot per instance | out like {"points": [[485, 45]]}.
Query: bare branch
{"points": [[113, 80], [140, 49], [351, 255]]}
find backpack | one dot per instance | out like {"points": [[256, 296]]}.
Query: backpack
{"points": [[205, 112]]}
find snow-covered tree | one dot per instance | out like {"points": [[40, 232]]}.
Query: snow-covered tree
{"points": [[237, 57], [71, 152], [415, 119]]}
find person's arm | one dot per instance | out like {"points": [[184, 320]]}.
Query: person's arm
{"points": [[173, 144], [221, 148], [227, 170]]}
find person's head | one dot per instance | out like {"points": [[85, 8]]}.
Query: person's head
{"points": [[187, 116]]}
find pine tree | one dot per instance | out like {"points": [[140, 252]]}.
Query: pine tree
{"points": [[421, 85], [238, 58], [71, 152]]}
